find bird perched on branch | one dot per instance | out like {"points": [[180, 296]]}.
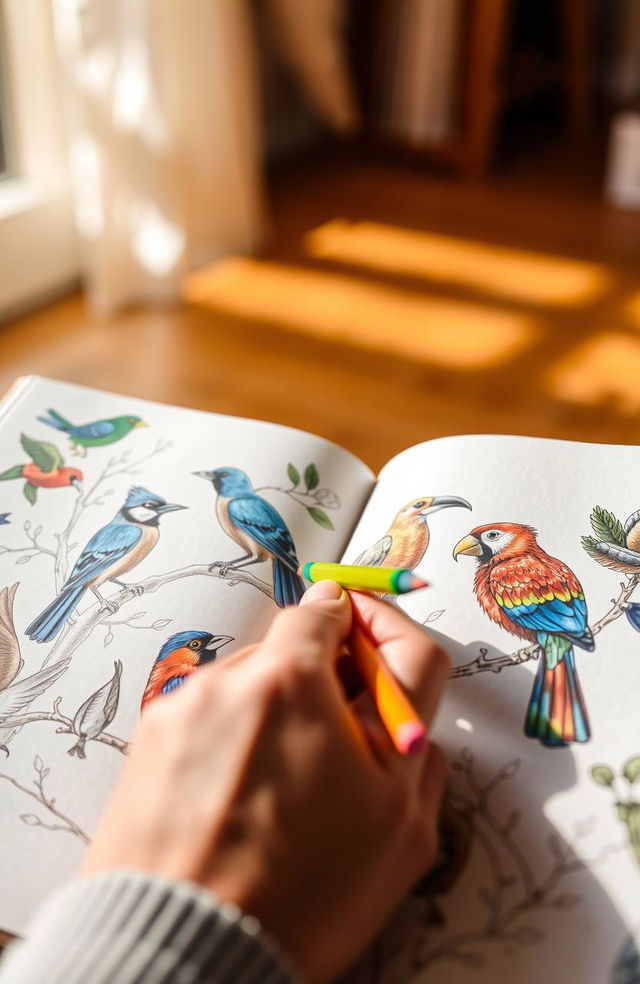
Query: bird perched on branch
{"points": [[538, 598], [182, 654], [17, 692], [259, 529], [405, 542], [97, 712], [111, 552], [45, 471], [93, 435], [617, 546]]}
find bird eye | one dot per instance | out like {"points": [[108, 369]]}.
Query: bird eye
{"points": [[493, 535], [420, 504], [195, 644], [149, 505]]}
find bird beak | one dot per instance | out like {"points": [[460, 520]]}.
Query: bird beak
{"points": [[204, 474], [468, 545], [444, 502], [141, 423], [169, 507], [218, 642]]}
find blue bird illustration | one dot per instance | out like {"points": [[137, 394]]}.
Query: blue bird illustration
{"points": [[111, 552], [93, 435], [4, 519], [182, 655], [259, 529]]}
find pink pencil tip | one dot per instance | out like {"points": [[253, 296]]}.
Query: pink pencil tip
{"points": [[418, 583], [411, 738]]}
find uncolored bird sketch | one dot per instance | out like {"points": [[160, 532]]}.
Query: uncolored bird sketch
{"points": [[179, 658], [46, 470], [536, 597], [95, 434]]}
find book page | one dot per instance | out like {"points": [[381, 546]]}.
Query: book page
{"points": [[538, 876], [132, 497]]}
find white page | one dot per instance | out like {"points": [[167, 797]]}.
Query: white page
{"points": [[575, 930], [162, 458]]}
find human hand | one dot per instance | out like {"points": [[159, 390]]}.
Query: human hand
{"points": [[262, 782]]}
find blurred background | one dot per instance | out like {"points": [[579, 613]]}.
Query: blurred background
{"points": [[379, 220]]}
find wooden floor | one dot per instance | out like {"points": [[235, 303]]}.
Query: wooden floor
{"points": [[348, 333]]}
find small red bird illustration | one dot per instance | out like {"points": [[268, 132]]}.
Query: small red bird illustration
{"points": [[405, 542], [182, 655], [46, 470], [538, 598]]}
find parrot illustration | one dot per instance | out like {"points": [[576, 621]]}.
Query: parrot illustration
{"points": [[45, 471], [93, 435], [617, 546], [259, 529], [405, 542], [538, 598], [182, 655], [115, 549], [97, 712]]}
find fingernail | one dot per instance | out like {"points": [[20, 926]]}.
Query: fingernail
{"points": [[323, 591]]}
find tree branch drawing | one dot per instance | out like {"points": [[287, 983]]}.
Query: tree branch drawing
{"points": [[315, 500], [66, 726], [516, 892], [64, 822], [482, 663]]}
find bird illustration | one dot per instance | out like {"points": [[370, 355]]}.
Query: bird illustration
{"points": [[538, 598], [182, 654], [617, 546], [10, 660], [4, 519], [97, 712], [259, 529], [111, 552], [45, 471], [93, 435], [456, 827], [405, 542]]}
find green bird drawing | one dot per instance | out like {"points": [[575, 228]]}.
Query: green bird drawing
{"points": [[93, 435]]}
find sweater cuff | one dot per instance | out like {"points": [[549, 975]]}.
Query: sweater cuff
{"points": [[126, 927]]}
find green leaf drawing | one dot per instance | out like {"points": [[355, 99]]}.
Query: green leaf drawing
{"points": [[311, 477], [590, 544], [631, 769], [30, 492], [294, 474], [607, 527], [320, 517], [602, 774]]}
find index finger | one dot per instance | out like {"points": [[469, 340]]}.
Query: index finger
{"points": [[419, 664]]}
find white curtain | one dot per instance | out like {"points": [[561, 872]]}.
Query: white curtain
{"points": [[165, 141]]}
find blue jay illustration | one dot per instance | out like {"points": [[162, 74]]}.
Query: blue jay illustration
{"points": [[112, 551], [259, 529]]}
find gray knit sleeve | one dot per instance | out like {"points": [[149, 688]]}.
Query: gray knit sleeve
{"points": [[126, 927]]}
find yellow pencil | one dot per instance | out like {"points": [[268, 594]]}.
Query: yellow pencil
{"points": [[405, 728], [389, 580]]}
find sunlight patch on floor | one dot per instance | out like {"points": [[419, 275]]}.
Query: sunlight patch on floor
{"points": [[511, 274], [604, 369], [449, 334]]}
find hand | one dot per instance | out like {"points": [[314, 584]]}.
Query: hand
{"points": [[262, 782]]}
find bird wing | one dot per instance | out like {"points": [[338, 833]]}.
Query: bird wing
{"points": [[263, 523], [10, 660], [376, 555], [22, 692], [172, 684], [107, 546], [541, 594], [99, 428], [45, 456], [611, 555]]}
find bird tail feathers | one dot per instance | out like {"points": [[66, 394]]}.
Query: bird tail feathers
{"points": [[288, 587], [557, 713], [56, 420], [49, 623]]}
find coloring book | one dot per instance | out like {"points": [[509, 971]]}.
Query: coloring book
{"points": [[139, 541]]}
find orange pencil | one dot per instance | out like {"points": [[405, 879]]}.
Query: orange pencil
{"points": [[405, 728]]}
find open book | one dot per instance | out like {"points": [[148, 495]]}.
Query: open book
{"points": [[539, 872]]}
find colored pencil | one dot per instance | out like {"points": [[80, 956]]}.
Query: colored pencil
{"points": [[389, 580], [405, 728]]}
